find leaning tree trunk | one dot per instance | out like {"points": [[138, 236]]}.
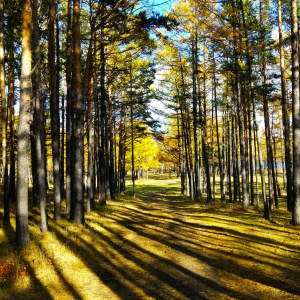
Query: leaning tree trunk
{"points": [[22, 232]]}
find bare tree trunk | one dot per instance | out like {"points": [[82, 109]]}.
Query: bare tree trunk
{"points": [[296, 113], [79, 118], [195, 122], [132, 135], [54, 112], [11, 101], [218, 138], [285, 116], [213, 151], [255, 124], [3, 117], [39, 122], [22, 232], [69, 109]]}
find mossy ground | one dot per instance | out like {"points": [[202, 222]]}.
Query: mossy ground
{"points": [[160, 245]]}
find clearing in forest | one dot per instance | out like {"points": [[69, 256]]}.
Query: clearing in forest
{"points": [[160, 245]]}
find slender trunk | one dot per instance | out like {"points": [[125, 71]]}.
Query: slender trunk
{"points": [[132, 134], [296, 113], [255, 124], [218, 139], [39, 122], [285, 115], [121, 150], [62, 155], [195, 123], [90, 203], [2, 92], [276, 167], [250, 158], [11, 101], [103, 166], [111, 150], [5, 180], [255, 170], [22, 232], [245, 189], [204, 150], [79, 118], [69, 109], [54, 112], [213, 151]]}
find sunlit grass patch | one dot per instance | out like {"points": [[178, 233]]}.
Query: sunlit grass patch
{"points": [[161, 245]]}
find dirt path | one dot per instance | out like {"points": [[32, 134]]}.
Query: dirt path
{"points": [[161, 246], [158, 247]]}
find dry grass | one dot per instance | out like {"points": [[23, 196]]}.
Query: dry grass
{"points": [[158, 246]]}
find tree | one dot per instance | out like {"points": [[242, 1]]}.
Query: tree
{"points": [[22, 232], [79, 118], [54, 111], [296, 113]]}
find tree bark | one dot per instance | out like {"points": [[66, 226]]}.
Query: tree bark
{"points": [[79, 118], [39, 122], [22, 232], [54, 112], [11, 101], [69, 109], [285, 116], [296, 113]]}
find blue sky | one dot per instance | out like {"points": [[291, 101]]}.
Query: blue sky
{"points": [[160, 5]]}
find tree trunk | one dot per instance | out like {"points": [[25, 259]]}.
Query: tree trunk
{"points": [[218, 138], [132, 135], [54, 112], [79, 118], [102, 192], [3, 117], [285, 116], [195, 122], [11, 101], [22, 232], [296, 113], [39, 122], [255, 124], [69, 109]]}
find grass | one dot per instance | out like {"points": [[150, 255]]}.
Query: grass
{"points": [[160, 245]]}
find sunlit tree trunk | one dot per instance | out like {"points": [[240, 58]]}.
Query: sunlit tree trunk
{"points": [[5, 180], [22, 232]]}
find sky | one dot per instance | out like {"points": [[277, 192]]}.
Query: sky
{"points": [[160, 6]]}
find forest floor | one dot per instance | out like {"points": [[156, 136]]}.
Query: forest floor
{"points": [[160, 245]]}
